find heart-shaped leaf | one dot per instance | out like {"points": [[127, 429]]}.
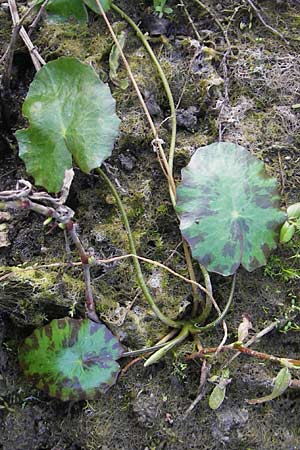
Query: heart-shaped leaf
{"points": [[71, 113], [228, 208], [62, 10], [71, 359]]}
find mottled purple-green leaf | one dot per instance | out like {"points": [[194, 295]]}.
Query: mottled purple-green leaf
{"points": [[71, 359], [71, 114], [228, 208]]}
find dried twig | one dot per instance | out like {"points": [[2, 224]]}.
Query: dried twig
{"points": [[37, 60], [225, 100], [8, 58], [260, 17], [37, 18], [130, 364], [201, 391], [238, 347], [215, 18], [186, 12], [23, 189], [16, 32], [20, 199], [243, 349], [272, 326]]}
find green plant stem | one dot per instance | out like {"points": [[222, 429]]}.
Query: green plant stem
{"points": [[152, 349], [164, 350], [208, 303], [168, 166], [196, 296], [142, 351], [164, 81], [89, 299], [195, 329], [140, 277], [157, 143]]}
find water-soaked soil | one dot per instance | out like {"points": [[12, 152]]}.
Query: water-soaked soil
{"points": [[252, 98]]}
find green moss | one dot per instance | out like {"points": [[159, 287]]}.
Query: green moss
{"points": [[134, 130], [135, 206], [295, 23], [80, 41], [113, 232], [283, 268], [31, 295]]}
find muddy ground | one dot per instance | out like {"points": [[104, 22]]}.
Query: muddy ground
{"points": [[251, 97]]}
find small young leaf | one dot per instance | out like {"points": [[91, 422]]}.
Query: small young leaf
{"points": [[228, 208], [243, 328], [62, 10], [71, 113], [71, 359], [293, 211], [287, 232], [216, 397], [282, 382]]}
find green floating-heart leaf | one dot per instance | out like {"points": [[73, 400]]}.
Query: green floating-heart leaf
{"points": [[71, 359], [71, 113], [228, 208], [62, 10]]}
